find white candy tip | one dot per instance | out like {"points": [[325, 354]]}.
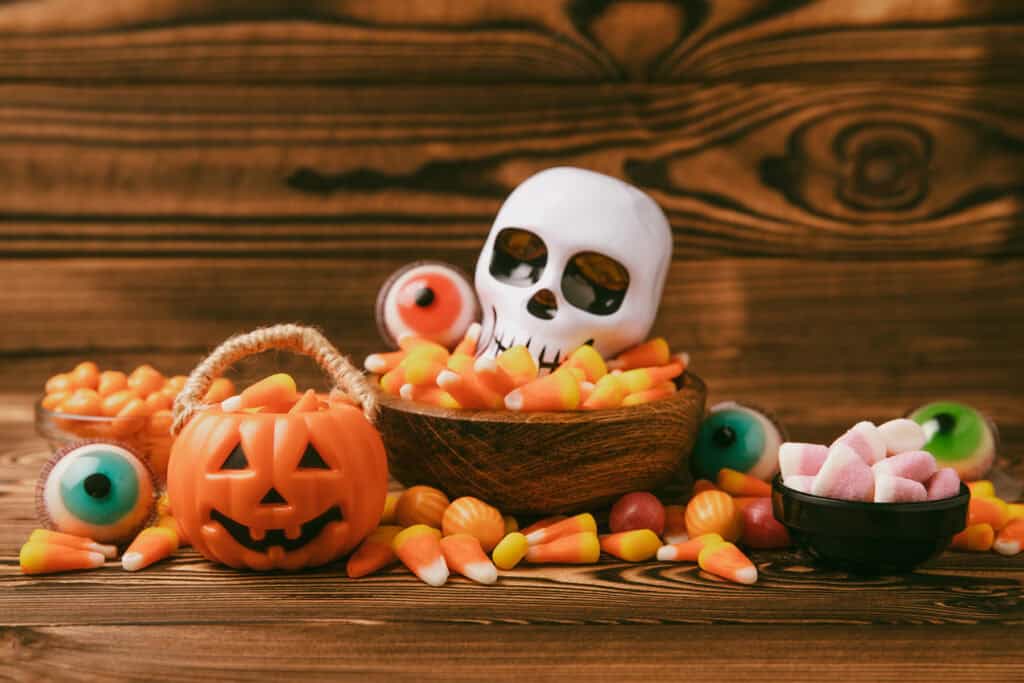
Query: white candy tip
{"points": [[1006, 547], [107, 551], [435, 573], [676, 538], [485, 365], [406, 392], [231, 404], [535, 537], [473, 332], [132, 561], [514, 401], [481, 572], [374, 363], [666, 553], [683, 358], [447, 378], [747, 575]]}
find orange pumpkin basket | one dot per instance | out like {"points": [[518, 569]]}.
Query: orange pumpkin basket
{"points": [[264, 490]]}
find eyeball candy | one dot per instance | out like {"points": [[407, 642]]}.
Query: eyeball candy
{"points": [[637, 510], [97, 490], [427, 299], [737, 437], [958, 436]]}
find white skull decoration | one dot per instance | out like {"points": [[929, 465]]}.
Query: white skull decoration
{"points": [[573, 257]]}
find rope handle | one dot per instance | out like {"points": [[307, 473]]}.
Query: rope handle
{"points": [[296, 338]]}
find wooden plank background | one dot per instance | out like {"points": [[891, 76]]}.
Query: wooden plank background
{"points": [[845, 183]]}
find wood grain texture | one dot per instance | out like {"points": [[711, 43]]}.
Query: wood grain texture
{"points": [[455, 652], [495, 41], [543, 463], [847, 170]]}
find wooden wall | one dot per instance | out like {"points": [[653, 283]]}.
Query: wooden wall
{"points": [[845, 180]]}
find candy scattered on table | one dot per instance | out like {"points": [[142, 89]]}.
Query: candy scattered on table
{"points": [[374, 553], [737, 437], [582, 547], [464, 554], [713, 512], [476, 518], [635, 545], [688, 550], [425, 371], [637, 510], [510, 550], [421, 505], [419, 549], [958, 436], [151, 545], [48, 558], [727, 561]]}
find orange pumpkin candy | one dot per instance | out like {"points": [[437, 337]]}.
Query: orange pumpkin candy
{"points": [[277, 491]]}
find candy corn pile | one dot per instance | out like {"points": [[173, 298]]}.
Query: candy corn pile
{"points": [[992, 523], [48, 552], [424, 371], [433, 536]]}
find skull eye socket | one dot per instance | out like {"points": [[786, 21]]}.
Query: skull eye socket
{"points": [[595, 283], [311, 460], [236, 460], [519, 257]]}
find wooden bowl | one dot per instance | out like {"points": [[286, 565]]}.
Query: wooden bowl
{"points": [[547, 462]]}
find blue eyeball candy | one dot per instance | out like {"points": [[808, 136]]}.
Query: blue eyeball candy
{"points": [[97, 490], [738, 437]]}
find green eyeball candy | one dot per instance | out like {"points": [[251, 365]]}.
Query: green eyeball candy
{"points": [[101, 491], [958, 436], [738, 437]]}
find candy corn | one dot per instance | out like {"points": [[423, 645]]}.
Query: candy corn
{"points": [[472, 516], [422, 365], [636, 545], [608, 392], [307, 403], [587, 359], [151, 545], [573, 525], [220, 389], [72, 541], [518, 362], [463, 554], [393, 380], [742, 484], [1010, 538], [421, 505], [578, 548], [380, 363], [510, 551], [981, 488], [642, 379], [652, 352], [276, 393], [171, 523], [468, 390], [431, 395], [467, 347], [1015, 511], [542, 523], [727, 561], [48, 558], [419, 549], [976, 537], [410, 342], [390, 503], [689, 550], [375, 552], [991, 511], [493, 376], [558, 391], [663, 390], [675, 524]]}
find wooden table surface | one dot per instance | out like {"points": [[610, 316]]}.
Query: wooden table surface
{"points": [[846, 191]]}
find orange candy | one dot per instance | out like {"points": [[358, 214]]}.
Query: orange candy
{"points": [[1010, 538], [468, 515], [374, 553], [675, 524], [727, 561], [582, 523], [113, 403], [713, 512], [82, 402], [158, 400], [151, 545], [543, 523], [976, 537], [663, 390], [60, 382], [742, 484], [991, 511], [689, 550], [145, 380], [220, 389], [421, 505], [579, 548], [131, 418], [419, 549], [308, 403], [463, 554], [558, 391], [47, 558], [111, 381], [85, 375], [652, 352], [72, 541], [52, 401]]}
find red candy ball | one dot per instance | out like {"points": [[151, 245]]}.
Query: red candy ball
{"points": [[760, 528], [639, 510]]}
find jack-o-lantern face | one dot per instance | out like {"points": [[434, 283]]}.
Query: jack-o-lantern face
{"points": [[275, 491]]}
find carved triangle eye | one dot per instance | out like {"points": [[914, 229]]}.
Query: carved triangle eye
{"points": [[311, 460], [236, 460]]}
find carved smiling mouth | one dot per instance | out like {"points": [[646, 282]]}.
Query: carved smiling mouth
{"points": [[548, 359], [276, 537]]}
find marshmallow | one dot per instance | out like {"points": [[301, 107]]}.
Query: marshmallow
{"points": [[845, 475], [865, 441], [801, 459], [916, 465], [902, 435], [889, 489]]}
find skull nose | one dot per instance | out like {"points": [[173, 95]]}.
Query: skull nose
{"points": [[542, 305]]}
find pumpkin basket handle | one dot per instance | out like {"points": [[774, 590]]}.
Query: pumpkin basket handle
{"points": [[296, 338]]}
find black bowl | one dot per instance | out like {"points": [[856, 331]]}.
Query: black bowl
{"points": [[869, 538]]}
